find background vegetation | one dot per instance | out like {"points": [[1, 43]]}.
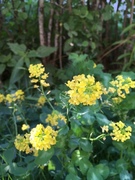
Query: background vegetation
{"points": [[67, 37]]}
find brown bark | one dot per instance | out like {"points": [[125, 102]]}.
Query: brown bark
{"points": [[41, 22], [41, 26], [50, 25], [132, 11]]}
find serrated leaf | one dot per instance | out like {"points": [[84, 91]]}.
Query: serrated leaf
{"points": [[17, 48]]}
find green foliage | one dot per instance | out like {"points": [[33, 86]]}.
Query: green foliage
{"points": [[83, 150]]}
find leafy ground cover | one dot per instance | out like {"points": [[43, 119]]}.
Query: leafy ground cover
{"points": [[83, 129]]}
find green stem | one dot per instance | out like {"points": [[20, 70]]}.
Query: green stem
{"points": [[14, 120], [98, 137], [42, 90]]}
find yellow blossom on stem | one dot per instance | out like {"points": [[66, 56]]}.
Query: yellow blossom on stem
{"points": [[22, 143], [42, 138], [38, 75], [84, 90], [55, 117], [17, 96], [121, 86], [25, 127], [41, 101], [120, 131]]}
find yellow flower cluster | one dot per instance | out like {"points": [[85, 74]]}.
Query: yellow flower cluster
{"points": [[84, 90], [120, 132], [17, 96], [37, 74], [41, 101], [121, 86], [2, 98], [22, 143], [55, 117], [39, 138], [42, 138], [9, 98]]}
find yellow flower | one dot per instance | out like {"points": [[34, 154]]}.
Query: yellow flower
{"points": [[117, 100], [84, 90], [38, 75], [36, 70], [105, 128], [121, 86], [120, 131], [41, 101], [22, 143], [2, 98], [17, 96], [42, 138], [25, 127], [54, 118]]}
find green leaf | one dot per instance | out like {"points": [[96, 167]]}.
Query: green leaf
{"points": [[17, 171], [76, 128], [130, 74], [9, 155], [72, 177], [2, 68], [102, 119], [71, 168], [17, 48], [66, 26], [93, 174], [32, 53], [85, 145], [5, 59], [85, 43], [17, 72], [78, 155], [44, 51], [44, 156], [121, 165], [129, 102], [125, 175], [3, 169], [103, 170], [128, 28], [84, 165]]}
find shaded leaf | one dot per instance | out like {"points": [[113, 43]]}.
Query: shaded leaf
{"points": [[44, 51], [44, 156]]}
